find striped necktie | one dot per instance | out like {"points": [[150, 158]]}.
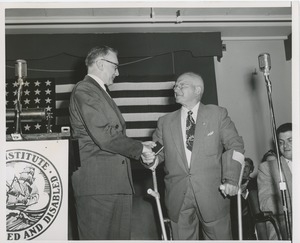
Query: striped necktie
{"points": [[190, 130]]}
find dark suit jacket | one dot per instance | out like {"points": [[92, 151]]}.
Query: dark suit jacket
{"points": [[104, 147], [214, 132]]}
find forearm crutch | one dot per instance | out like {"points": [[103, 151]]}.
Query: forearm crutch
{"points": [[156, 195], [240, 158], [239, 203]]}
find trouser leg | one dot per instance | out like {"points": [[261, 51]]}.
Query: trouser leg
{"points": [[104, 217], [219, 229], [187, 227]]}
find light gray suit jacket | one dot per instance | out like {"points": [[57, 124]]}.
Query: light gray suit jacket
{"points": [[104, 147], [268, 186], [214, 132]]}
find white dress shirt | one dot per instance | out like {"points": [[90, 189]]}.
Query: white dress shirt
{"points": [[99, 81], [184, 114]]}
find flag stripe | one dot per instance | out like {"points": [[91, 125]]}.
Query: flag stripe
{"points": [[142, 93], [65, 88], [147, 109], [120, 94], [143, 116], [144, 101], [159, 101], [139, 132], [141, 124], [142, 86]]}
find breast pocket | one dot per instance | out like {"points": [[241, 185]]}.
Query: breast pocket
{"points": [[211, 143]]}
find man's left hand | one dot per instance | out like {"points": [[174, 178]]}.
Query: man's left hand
{"points": [[229, 189]]}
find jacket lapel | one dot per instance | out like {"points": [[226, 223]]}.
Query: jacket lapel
{"points": [[110, 101], [287, 174], [116, 109], [201, 125], [176, 133]]}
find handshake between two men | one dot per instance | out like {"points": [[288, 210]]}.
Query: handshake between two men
{"points": [[149, 154]]}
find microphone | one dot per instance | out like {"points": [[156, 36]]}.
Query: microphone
{"points": [[264, 62], [21, 73], [20, 69]]}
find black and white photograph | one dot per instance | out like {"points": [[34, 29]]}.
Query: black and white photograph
{"points": [[150, 121]]}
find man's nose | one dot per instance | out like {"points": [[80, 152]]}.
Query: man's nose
{"points": [[176, 89], [176, 92]]}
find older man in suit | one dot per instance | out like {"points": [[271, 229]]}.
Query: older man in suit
{"points": [[268, 179], [102, 184], [202, 149]]}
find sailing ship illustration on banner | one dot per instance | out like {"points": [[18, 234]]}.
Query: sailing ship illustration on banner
{"points": [[33, 194]]}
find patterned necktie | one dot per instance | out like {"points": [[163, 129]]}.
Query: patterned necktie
{"points": [[190, 131]]}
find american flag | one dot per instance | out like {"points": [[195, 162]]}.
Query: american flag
{"points": [[141, 103], [37, 93]]}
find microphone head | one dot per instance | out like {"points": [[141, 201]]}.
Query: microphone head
{"points": [[21, 68], [264, 62]]}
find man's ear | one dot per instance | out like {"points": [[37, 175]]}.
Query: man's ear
{"points": [[99, 64], [198, 89]]}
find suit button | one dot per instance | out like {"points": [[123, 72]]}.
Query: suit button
{"points": [[123, 162]]}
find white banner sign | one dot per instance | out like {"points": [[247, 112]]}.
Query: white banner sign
{"points": [[37, 190]]}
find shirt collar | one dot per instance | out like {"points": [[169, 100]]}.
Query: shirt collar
{"points": [[99, 81], [194, 110]]}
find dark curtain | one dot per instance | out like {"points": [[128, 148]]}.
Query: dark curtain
{"points": [[152, 56]]}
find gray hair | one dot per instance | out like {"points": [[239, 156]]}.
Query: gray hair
{"points": [[96, 52]]}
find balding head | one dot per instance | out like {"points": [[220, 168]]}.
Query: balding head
{"points": [[189, 89], [195, 79]]}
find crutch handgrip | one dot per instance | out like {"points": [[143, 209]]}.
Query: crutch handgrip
{"points": [[153, 193], [222, 189]]}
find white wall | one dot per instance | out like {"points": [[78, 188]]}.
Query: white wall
{"points": [[242, 90]]}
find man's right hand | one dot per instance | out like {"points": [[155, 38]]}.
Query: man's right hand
{"points": [[148, 157], [150, 164]]}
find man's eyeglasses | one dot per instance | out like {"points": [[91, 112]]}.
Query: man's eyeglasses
{"points": [[180, 86], [116, 65]]}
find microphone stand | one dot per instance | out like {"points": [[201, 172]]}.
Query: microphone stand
{"points": [[282, 183], [17, 135]]}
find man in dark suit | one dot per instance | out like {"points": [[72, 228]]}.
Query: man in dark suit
{"points": [[268, 179], [196, 165], [102, 184]]}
